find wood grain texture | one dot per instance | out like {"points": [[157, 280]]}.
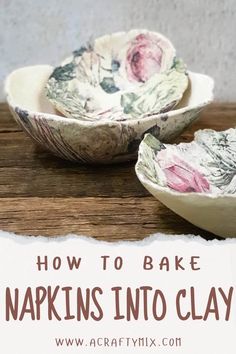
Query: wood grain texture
{"points": [[43, 195], [103, 218]]}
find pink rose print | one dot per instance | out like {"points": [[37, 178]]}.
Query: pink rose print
{"points": [[180, 175], [143, 58]]}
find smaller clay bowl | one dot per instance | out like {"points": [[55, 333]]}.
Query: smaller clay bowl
{"points": [[196, 180], [120, 76]]}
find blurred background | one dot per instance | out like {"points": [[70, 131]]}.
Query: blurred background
{"points": [[46, 31]]}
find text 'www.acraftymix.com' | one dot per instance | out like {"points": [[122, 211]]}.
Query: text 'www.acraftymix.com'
{"points": [[118, 342]]}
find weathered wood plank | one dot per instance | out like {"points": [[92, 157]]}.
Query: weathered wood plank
{"points": [[103, 218], [26, 171]]}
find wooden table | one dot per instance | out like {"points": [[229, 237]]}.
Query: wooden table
{"points": [[43, 195]]}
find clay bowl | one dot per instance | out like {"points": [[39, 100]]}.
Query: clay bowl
{"points": [[196, 180], [120, 76], [92, 121]]}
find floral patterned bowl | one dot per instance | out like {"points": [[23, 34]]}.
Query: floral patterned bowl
{"points": [[196, 180], [109, 94], [102, 141], [122, 76]]}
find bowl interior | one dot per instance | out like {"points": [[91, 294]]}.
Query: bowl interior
{"points": [[25, 89], [207, 165]]}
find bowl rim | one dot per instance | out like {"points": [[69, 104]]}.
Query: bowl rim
{"points": [[136, 30], [105, 121], [166, 190]]}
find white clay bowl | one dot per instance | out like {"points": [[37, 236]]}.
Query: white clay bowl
{"points": [[196, 180], [102, 141]]}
